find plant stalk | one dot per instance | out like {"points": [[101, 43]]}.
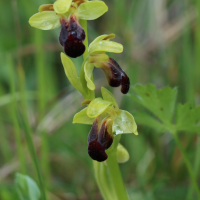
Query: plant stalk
{"points": [[108, 176], [188, 165]]}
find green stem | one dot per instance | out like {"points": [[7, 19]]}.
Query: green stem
{"points": [[100, 179], [18, 139], [115, 176], [107, 174], [84, 26], [27, 129], [40, 63], [32, 152], [188, 165], [196, 168]]}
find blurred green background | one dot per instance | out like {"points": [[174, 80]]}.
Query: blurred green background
{"points": [[161, 41]]}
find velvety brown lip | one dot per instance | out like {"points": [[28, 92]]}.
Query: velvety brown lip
{"points": [[115, 75], [98, 141], [71, 37]]}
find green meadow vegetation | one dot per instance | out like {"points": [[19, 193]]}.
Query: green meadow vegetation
{"points": [[42, 153]]}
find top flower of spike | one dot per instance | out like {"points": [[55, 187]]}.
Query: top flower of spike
{"points": [[66, 13]]}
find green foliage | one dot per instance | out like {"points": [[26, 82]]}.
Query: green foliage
{"points": [[161, 103], [188, 118], [26, 188]]}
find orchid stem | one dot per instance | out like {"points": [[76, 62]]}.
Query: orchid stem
{"points": [[108, 176], [188, 165]]}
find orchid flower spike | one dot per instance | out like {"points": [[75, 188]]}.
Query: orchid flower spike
{"points": [[107, 121], [66, 13]]}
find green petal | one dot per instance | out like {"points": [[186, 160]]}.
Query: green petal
{"points": [[95, 58], [88, 69], [97, 106], [108, 96], [122, 154], [91, 10], [62, 6], [102, 37], [124, 123], [71, 72], [46, 7], [105, 46], [45, 20], [82, 118]]}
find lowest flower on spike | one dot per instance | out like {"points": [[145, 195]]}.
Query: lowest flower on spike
{"points": [[107, 121], [66, 13]]}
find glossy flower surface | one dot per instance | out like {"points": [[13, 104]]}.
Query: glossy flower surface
{"points": [[66, 13], [107, 121], [97, 57]]}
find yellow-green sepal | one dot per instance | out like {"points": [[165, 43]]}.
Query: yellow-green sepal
{"points": [[71, 73], [62, 6], [105, 46], [97, 107], [91, 10], [88, 69], [82, 117], [124, 123], [122, 154], [45, 20], [108, 96], [102, 37]]}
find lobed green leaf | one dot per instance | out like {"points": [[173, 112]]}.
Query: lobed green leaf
{"points": [[188, 118], [160, 102]]}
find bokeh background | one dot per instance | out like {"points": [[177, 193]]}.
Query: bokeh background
{"points": [[161, 41]]}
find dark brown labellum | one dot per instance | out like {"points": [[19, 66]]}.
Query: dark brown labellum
{"points": [[115, 75], [99, 140], [71, 37]]}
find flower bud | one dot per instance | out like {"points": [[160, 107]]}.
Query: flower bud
{"points": [[72, 36], [100, 138], [122, 154]]}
